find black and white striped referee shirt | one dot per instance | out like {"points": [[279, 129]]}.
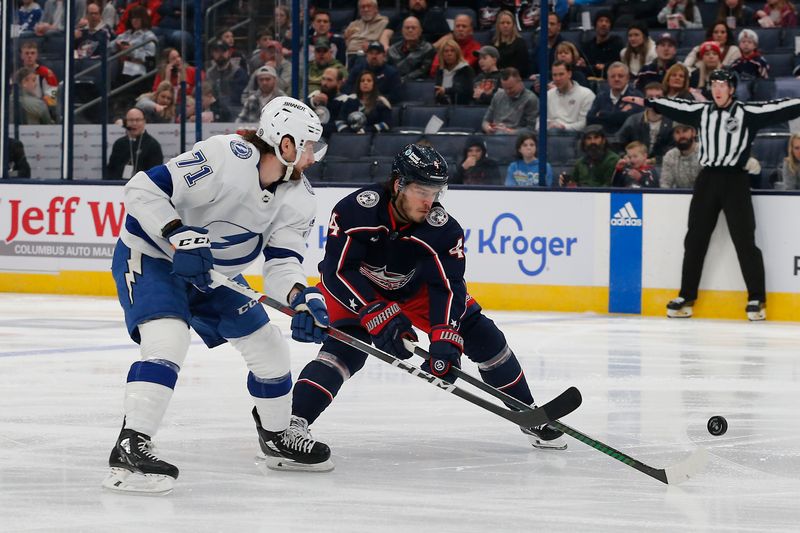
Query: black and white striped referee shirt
{"points": [[726, 135]]}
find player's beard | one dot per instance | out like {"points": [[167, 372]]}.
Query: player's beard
{"points": [[404, 211]]}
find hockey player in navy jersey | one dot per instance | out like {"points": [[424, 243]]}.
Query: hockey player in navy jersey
{"points": [[228, 200], [395, 258]]}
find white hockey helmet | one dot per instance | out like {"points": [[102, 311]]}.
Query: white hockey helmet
{"points": [[284, 116]]}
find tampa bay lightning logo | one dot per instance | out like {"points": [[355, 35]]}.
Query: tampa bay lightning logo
{"points": [[368, 198], [437, 217], [234, 245], [241, 149]]}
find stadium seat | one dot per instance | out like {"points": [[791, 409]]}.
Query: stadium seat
{"points": [[417, 116], [708, 11], [769, 39], [573, 36], [562, 149], [501, 147], [349, 146], [780, 64], [451, 146], [388, 144], [770, 148], [418, 91], [787, 87], [314, 172], [348, 171], [450, 14], [484, 36], [381, 169], [341, 17], [691, 37], [762, 90], [466, 118]]}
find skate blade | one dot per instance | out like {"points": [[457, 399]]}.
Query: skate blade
{"points": [[757, 316], [287, 465], [122, 480], [555, 444], [679, 313]]}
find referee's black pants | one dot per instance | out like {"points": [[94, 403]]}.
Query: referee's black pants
{"points": [[726, 189]]}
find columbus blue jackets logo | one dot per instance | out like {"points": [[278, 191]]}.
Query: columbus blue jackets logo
{"points": [[368, 198], [241, 149], [437, 217]]}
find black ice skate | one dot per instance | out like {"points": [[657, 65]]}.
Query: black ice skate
{"points": [[756, 311], [545, 437], [136, 468], [293, 448], [679, 308]]}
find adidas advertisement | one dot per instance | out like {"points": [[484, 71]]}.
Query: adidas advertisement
{"points": [[625, 263], [626, 216]]}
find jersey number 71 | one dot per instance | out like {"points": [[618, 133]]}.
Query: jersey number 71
{"points": [[198, 159]]}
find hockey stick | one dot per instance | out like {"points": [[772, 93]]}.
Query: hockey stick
{"points": [[671, 475], [561, 405]]}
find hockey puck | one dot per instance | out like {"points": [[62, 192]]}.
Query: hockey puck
{"points": [[717, 425]]}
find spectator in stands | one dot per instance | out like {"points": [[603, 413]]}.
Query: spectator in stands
{"points": [[524, 171], [92, 35], [18, 166], [235, 55], [136, 61], [596, 167], [366, 110], [648, 127], [752, 64], [321, 27], [227, 79], [158, 106], [267, 80], [709, 55], [462, 34], [568, 103], [554, 38], [512, 48], [412, 55], [640, 49], [368, 27], [568, 53], [136, 150], [151, 6], [735, 14], [608, 109], [681, 14], [53, 21], [476, 167], [269, 53], [789, 172], [46, 81], [323, 59], [28, 16], [174, 70], [681, 164], [604, 47], [633, 171], [386, 76], [720, 33], [626, 12], [432, 19], [666, 56], [453, 81], [169, 27], [513, 109], [777, 14], [33, 109], [328, 100], [676, 82], [281, 28], [214, 109], [486, 83]]}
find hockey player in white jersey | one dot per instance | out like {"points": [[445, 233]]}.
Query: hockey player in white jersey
{"points": [[220, 205]]}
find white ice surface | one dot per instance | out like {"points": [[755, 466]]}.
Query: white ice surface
{"points": [[410, 457]]}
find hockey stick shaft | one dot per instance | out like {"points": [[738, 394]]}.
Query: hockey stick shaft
{"points": [[563, 404], [665, 475]]}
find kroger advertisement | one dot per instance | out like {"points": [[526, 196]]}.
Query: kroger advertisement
{"points": [[624, 246]]}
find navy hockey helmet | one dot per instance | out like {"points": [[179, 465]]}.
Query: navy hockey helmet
{"points": [[420, 164], [726, 75]]}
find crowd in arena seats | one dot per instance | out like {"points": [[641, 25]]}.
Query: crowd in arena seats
{"points": [[378, 70]]}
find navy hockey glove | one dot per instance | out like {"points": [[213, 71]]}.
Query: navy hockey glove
{"points": [[311, 318], [388, 326], [445, 351], [192, 259]]}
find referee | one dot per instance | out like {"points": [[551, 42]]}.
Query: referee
{"points": [[726, 128]]}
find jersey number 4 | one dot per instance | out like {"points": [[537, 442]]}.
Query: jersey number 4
{"points": [[333, 226], [457, 251], [198, 159]]}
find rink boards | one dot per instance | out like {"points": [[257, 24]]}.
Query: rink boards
{"points": [[602, 252]]}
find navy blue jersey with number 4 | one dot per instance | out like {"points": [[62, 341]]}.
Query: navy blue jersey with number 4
{"points": [[369, 255]]}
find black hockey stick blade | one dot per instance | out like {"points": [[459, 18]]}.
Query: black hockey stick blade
{"points": [[564, 403], [671, 475]]}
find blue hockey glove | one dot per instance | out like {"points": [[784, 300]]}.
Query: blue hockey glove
{"points": [[446, 348], [388, 326], [192, 259], [311, 319]]}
